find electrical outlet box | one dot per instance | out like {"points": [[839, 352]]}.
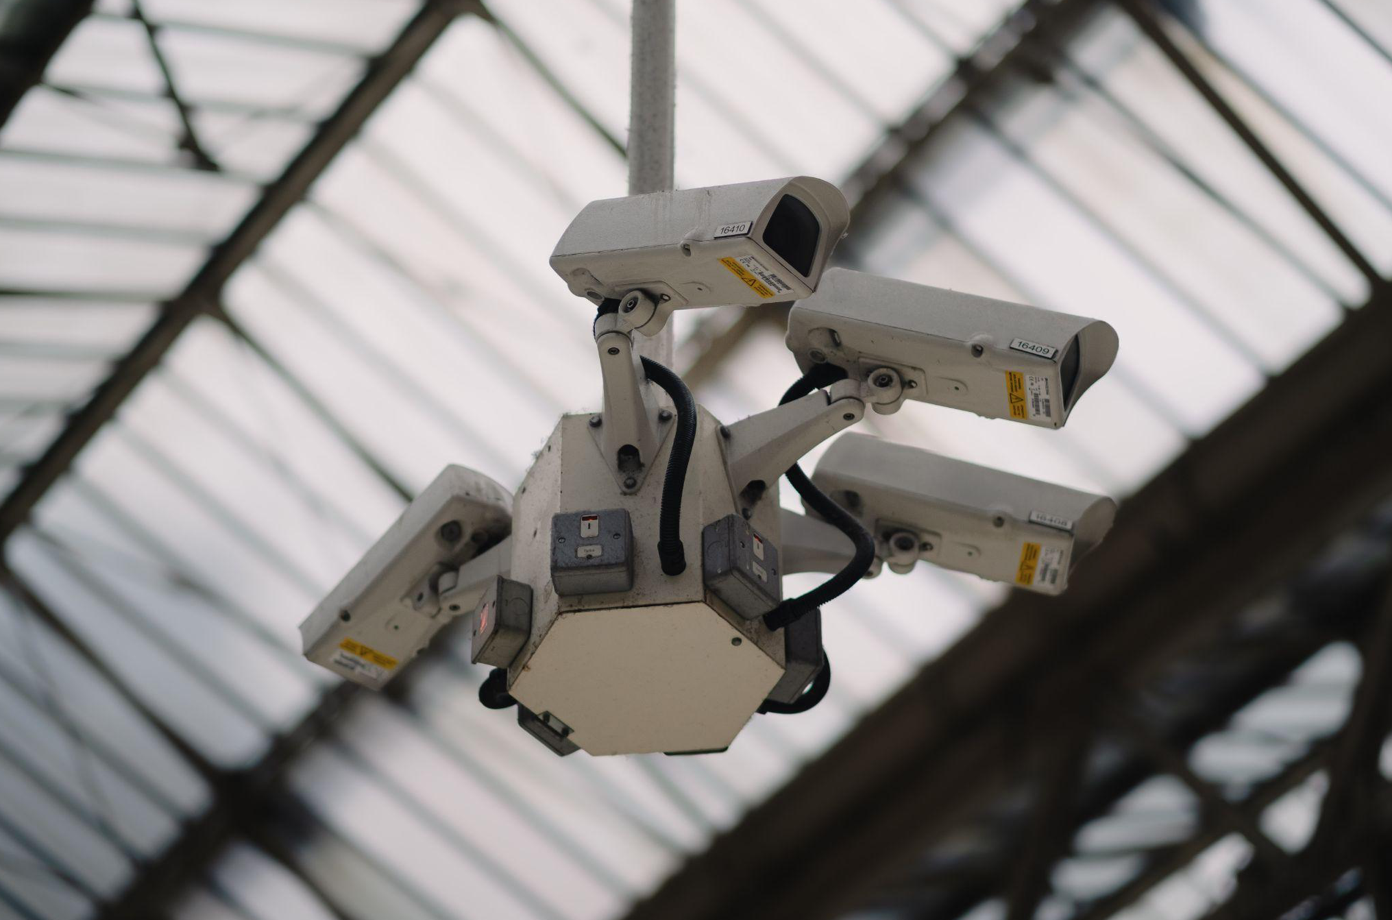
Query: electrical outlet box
{"points": [[741, 567], [591, 552], [502, 623]]}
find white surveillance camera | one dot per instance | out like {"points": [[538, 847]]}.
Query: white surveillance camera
{"points": [[387, 608], [745, 245], [999, 526], [912, 341]]}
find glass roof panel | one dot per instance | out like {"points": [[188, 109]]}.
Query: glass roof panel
{"points": [[411, 288]]}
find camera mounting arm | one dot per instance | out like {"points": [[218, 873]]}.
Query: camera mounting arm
{"points": [[627, 431], [812, 545], [761, 447]]}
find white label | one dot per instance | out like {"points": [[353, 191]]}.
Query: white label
{"points": [[755, 267], [1051, 520], [357, 665], [1039, 399], [1050, 567], [1033, 348], [759, 570], [758, 548], [740, 229], [589, 551]]}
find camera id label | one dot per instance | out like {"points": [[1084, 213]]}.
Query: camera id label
{"points": [[740, 229], [1051, 520], [1033, 348]]}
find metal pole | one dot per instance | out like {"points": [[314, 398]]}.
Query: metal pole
{"points": [[653, 96]]}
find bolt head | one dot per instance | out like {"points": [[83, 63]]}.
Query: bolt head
{"points": [[817, 356], [903, 542], [977, 351], [736, 641], [665, 415], [451, 531], [613, 349], [849, 416], [630, 482], [596, 421], [630, 304]]}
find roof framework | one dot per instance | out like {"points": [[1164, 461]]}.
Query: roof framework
{"points": [[1227, 646]]}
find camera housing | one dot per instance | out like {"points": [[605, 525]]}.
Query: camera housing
{"points": [[961, 516], [746, 244], [387, 608], [912, 341]]}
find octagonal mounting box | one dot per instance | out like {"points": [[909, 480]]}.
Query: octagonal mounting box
{"points": [[665, 666]]}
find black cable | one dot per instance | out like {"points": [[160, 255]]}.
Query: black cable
{"points": [[669, 545], [820, 503], [809, 698], [493, 692]]}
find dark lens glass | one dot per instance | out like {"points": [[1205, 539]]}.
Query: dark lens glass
{"points": [[1068, 370], [792, 233]]}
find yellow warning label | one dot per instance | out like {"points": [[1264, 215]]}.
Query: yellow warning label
{"points": [[368, 654], [745, 275], [1029, 562], [1015, 392]]}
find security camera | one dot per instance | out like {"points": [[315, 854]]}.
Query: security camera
{"points": [[912, 341], [745, 245], [1002, 527], [387, 608]]}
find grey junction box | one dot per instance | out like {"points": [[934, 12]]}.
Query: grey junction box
{"points": [[741, 567], [502, 623], [591, 552]]}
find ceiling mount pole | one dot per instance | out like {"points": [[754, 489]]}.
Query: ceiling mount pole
{"points": [[651, 121]]}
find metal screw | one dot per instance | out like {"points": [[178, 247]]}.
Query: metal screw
{"points": [[883, 380], [596, 421], [451, 531], [977, 351], [560, 539], [666, 297], [630, 304], [926, 547], [903, 542], [911, 384], [618, 536], [725, 432], [630, 482], [736, 641], [817, 356], [345, 616], [614, 349], [999, 521], [849, 416], [665, 415], [454, 607]]}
